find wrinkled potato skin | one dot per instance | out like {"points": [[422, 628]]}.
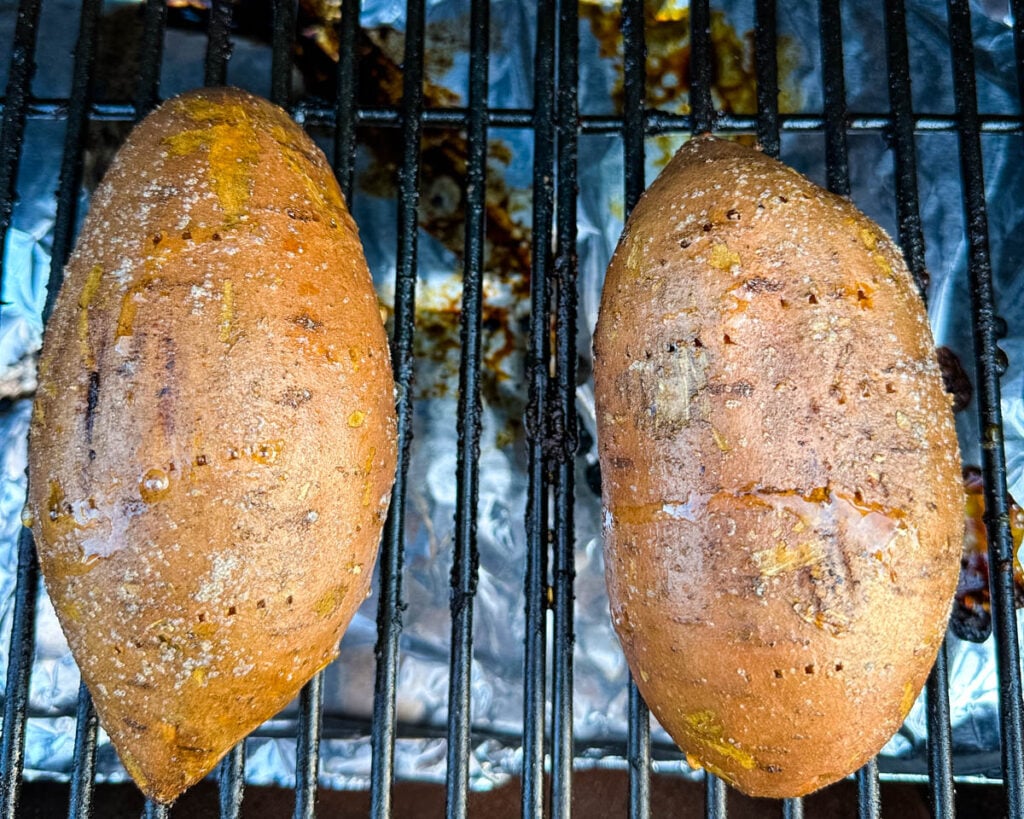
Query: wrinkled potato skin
{"points": [[213, 441], [780, 470]]}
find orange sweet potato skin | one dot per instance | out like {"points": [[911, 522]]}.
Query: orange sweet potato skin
{"points": [[213, 441], [780, 471]]}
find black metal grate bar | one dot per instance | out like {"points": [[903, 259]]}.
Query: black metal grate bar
{"points": [[307, 747], [218, 44], [907, 202], [74, 141], [12, 130], [638, 742], [281, 55], [633, 123], [993, 456], [701, 67], [658, 122], [391, 604], [911, 234], [151, 49], [466, 559], [869, 797], [1017, 10], [714, 797], [12, 747], [345, 132], [535, 580], [766, 64], [793, 808], [84, 763], [836, 159], [563, 415], [940, 740], [232, 782], [345, 104]]}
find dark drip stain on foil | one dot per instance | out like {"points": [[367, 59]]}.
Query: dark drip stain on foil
{"points": [[442, 210], [972, 610], [667, 37]]}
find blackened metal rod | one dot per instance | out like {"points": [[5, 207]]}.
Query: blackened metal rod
{"points": [[1017, 9], [466, 558], [345, 103], [12, 129], [74, 141], [151, 50], [908, 211], [345, 131], [12, 747], [307, 747], [218, 43], [793, 808], [391, 604], [940, 741], [633, 123], [869, 795], [232, 782], [993, 456], [562, 418], [714, 797], [537, 521], [638, 742], [911, 234], [701, 67], [84, 763], [638, 754], [657, 122], [766, 64], [836, 159], [281, 51]]}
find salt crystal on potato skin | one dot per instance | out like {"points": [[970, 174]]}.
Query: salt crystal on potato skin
{"points": [[206, 513], [780, 471]]}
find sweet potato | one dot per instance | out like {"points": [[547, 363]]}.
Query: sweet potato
{"points": [[780, 471], [213, 441]]}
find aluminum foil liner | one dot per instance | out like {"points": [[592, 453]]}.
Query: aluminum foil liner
{"points": [[497, 672]]}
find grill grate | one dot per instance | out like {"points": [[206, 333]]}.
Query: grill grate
{"points": [[550, 419]]}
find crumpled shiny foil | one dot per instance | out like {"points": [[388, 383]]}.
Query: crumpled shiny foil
{"points": [[600, 695]]}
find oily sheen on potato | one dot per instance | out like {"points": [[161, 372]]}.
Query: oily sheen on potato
{"points": [[781, 477], [213, 441]]}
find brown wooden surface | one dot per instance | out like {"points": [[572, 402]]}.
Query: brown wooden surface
{"points": [[595, 794]]}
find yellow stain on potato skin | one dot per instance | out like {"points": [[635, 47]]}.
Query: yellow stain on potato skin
{"points": [[882, 264], [705, 727], [85, 299], [367, 469], [228, 136], [907, 701], [330, 601], [635, 257], [723, 258], [133, 768], [783, 558], [328, 195]]}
